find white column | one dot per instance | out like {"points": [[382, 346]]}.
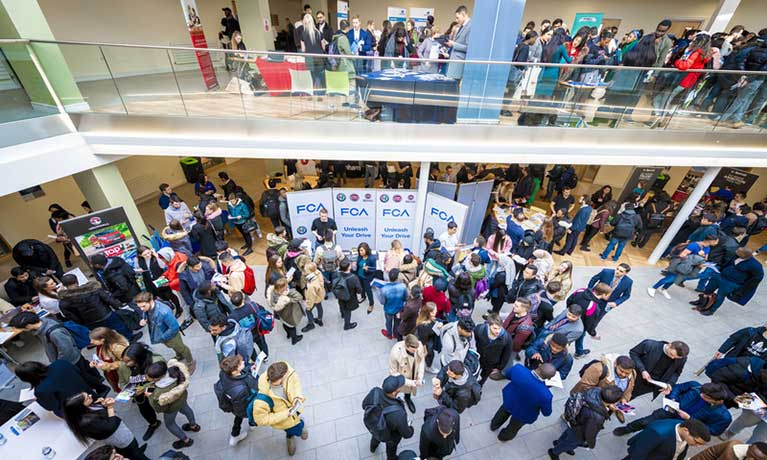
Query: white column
{"points": [[722, 16], [420, 206], [684, 213]]}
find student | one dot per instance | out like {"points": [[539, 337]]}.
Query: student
{"points": [[440, 433], [436, 295], [163, 327], [525, 397], [320, 227], [586, 424], [238, 216], [327, 256], [281, 384], [180, 212], [737, 281], [457, 339], [116, 276], [348, 285], [235, 389], [514, 226], [210, 305], [192, 274], [246, 314], [494, 346], [658, 360], [610, 369], [90, 306], [748, 342], [109, 349], [626, 224], [231, 339], [579, 223], [545, 311], [135, 361], [365, 269], [407, 359], [568, 322], [315, 293], [525, 286], [393, 296], [696, 402], [552, 350], [617, 278], [593, 301], [53, 384], [286, 303], [734, 450], [409, 313], [455, 387], [168, 395], [19, 287], [564, 201], [166, 194], [667, 440], [382, 402]]}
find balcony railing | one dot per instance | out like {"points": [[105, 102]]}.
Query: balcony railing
{"points": [[148, 80]]}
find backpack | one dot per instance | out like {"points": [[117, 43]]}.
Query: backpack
{"points": [[333, 49], [471, 363], [481, 287], [592, 216], [250, 281], [374, 417], [573, 407], [759, 225], [240, 193], [590, 363], [259, 397], [624, 228], [78, 332], [270, 204], [476, 394], [341, 289], [571, 181], [329, 259], [224, 399], [264, 320]]}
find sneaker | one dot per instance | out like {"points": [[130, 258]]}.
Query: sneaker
{"points": [[244, 246], [296, 339], [260, 235], [350, 326], [234, 440], [305, 434], [582, 354], [150, 430], [651, 292], [737, 125], [292, 446], [665, 294], [181, 444], [385, 334], [193, 427], [307, 328]]}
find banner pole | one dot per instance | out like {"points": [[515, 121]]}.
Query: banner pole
{"points": [[420, 207]]}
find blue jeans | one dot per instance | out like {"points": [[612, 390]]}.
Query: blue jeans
{"points": [[567, 442], [579, 343], [742, 102], [620, 242], [392, 324], [703, 278], [723, 288], [757, 105], [295, 430], [665, 282], [368, 289]]}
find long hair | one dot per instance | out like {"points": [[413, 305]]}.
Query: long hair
{"points": [[364, 246], [547, 230], [499, 236], [74, 411], [424, 314], [109, 336], [310, 28], [160, 368], [583, 34], [141, 354], [642, 54], [702, 42], [559, 38], [272, 268], [41, 287]]}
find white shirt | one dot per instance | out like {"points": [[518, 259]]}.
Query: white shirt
{"points": [[740, 451], [680, 444], [448, 241], [49, 304]]}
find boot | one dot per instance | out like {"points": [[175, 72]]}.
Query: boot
{"points": [[701, 300]]}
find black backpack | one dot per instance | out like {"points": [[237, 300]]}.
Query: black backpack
{"points": [[270, 203], [586, 366], [241, 194], [341, 289], [624, 228], [374, 417], [573, 407]]}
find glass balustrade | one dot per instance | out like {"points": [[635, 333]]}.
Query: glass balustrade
{"points": [[23, 93]]}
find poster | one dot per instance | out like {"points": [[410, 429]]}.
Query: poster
{"points": [[396, 14], [355, 215], [647, 175], [342, 12], [475, 195], [587, 20], [395, 218], [194, 25], [440, 211], [304, 206], [737, 179], [419, 15], [105, 232]]}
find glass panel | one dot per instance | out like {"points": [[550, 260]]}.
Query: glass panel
{"points": [[23, 93]]}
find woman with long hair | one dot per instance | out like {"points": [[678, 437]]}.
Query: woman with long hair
{"points": [[365, 269], [152, 269], [169, 396], [47, 294], [243, 68], [394, 256], [547, 234], [214, 215], [95, 420], [136, 360], [577, 49], [602, 196], [275, 269], [597, 225], [498, 243], [564, 274], [58, 215], [626, 90], [204, 235], [311, 43], [109, 350], [555, 52], [424, 330]]}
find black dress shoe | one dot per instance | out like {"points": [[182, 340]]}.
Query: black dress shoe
{"points": [[350, 326], [307, 328], [296, 339], [150, 430], [409, 403], [318, 322]]}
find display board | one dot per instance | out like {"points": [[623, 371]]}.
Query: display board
{"points": [[737, 179], [342, 12], [304, 206], [395, 218], [396, 14], [419, 15], [439, 212], [648, 175], [446, 189], [587, 20], [194, 25], [306, 167], [105, 232], [475, 196], [355, 215]]}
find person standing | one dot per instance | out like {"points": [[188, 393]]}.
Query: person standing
{"points": [[618, 280], [455, 387], [115, 275], [626, 224], [232, 339], [325, 30], [385, 416], [53, 384], [239, 215], [393, 296], [163, 327], [660, 361], [19, 287], [525, 398], [284, 212], [90, 306], [407, 358], [361, 45], [494, 346], [365, 269], [440, 433], [347, 286], [168, 394], [279, 403], [579, 223], [667, 440], [234, 390], [287, 303], [459, 45], [320, 227], [551, 350]]}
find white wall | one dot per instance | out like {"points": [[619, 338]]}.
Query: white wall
{"points": [[751, 15], [143, 175]]}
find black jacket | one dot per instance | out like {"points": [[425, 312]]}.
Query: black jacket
{"points": [[458, 397], [545, 312], [62, 381], [119, 278], [459, 297], [355, 290], [396, 421], [523, 288], [234, 393], [498, 289], [98, 425], [20, 293], [742, 376], [205, 236], [756, 60], [87, 304], [736, 343], [646, 356], [37, 257], [493, 354], [584, 298], [724, 252], [152, 271], [591, 419], [433, 444]]}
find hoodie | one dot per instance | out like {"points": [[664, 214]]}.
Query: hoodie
{"points": [[454, 345], [58, 342], [234, 340]]}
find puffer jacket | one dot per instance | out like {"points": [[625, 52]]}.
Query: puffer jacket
{"points": [[591, 419], [278, 417], [119, 278], [234, 340], [235, 393], [458, 393], [696, 60], [170, 398], [179, 240], [408, 272], [756, 60], [236, 276], [87, 304], [277, 242], [522, 288], [594, 370], [410, 367], [287, 306], [315, 289], [205, 310]]}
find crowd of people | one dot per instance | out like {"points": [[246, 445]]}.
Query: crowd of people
{"points": [[538, 322]]}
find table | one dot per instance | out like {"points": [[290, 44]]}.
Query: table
{"points": [[49, 431], [413, 96], [535, 217], [7, 334]]}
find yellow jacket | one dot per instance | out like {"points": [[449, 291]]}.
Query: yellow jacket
{"points": [[315, 289], [278, 417]]}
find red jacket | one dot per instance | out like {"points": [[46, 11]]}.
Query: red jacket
{"points": [[696, 60], [171, 274], [520, 329], [431, 294]]}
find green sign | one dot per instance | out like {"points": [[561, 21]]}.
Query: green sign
{"points": [[586, 20]]}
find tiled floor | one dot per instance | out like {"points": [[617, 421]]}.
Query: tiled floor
{"points": [[337, 368]]}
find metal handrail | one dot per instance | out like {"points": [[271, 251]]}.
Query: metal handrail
{"points": [[380, 58]]}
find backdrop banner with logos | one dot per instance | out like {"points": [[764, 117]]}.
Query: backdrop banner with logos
{"points": [[355, 215], [419, 15], [737, 179], [342, 12], [648, 175], [396, 14], [587, 20], [304, 206], [395, 216], [105, 232], [476, 196], [439, 212], [194, 25]]}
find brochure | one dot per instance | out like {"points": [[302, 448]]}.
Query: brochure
{"points": [[555, 381], [626, 408], [751, 402], [670, 405], [24, 421]]}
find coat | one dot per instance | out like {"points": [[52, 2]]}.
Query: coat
{"points": [[179, 241], [523, 288], [20, 293], [739, 375], [562, 362], [205, 236], [572, 330], [721, 451], [171, 398], [342, 43], [162, 323], [656, 442], [526, 396], [397, 426], [646, 356], [87, 304], [593, 309], [206, 310], [119, 278], [493, 354], [186, 283], [565, 279], [365, 37], [235, 392], [458, 53], [408, 316], [549, 76], [239, 209], [278, 417], [411, 367], [519, 330], [736, 343], [591, 419], [716, 418], [58, 342], [747, 274], [355, 289], [287, 306], [621, 292], [434, 442], [460, 393], [454, 346], [594, 370], [315, 289], [62, 381]]}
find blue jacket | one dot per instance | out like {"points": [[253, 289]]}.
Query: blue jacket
{"points": [[717, 418], [621, 292], [563, 361], [186, 283], [162, 323], [365, 37], [525, 396], [367, 269], [240, 209], [515, 231], [580, 219], [747, 275], [656, 442], [394, 296], [62, 381], [700, 233]]}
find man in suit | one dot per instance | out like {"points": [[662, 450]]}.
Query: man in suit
{"points": [[660, 361], [667, 440], [460, 44], [734, 450], [617, 279], [737, 281]]}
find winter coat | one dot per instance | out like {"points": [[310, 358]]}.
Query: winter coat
{"points": [[562, 362], [408, 316], [179, 241], [736, 343], [397, 425], [171, 398], [460, 298], [355, 289], [343, 46], [747, 274], [720, 451], [236, 392], [519, 330], [431, 294], [205, 236], [591, 419], [454, 346], [58, 342], [460, 393], [438, 445], [493, 354], [235, 275], [238, 209], [87, 304], [408, 272], [206, 310], [684, 267], [119, 278], [696, 60], [278, 416], [234, 340], [315, 289], [592, 376], [20, 293], [522, 288], [162, 323], [277, 242], [186, 282], [740, 375], [287, 306], [36, 257], [410, 367], [526, 396], [177, 259]]}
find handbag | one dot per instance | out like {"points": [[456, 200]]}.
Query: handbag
{"points": [[249, 226]]}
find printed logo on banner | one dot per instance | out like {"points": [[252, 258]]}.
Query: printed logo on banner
{"points": [[341, 197], [95, 220], [353, 197], [396, 213], [310, 208], [301, 230], [397, 198], [411, 198], [442, 215], [368, 196], [384, 198], [354, 212]]}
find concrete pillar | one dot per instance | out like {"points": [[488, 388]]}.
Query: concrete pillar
{"points": [[104, 187], [722, 16], [253, 14], [25, 19], [684, 213], [494, 26], [420, 205]]}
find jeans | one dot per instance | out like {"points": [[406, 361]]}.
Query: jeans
{"points": [[245, 235], [367, 289], [756, 107], [310, 314], [392, 324], [569, 440], [236, 426], [570, 242], [664, 98], [295, 430], [579, 343], [347, 316], [620, 242], [746, 95], [723, 288], [183, 353], [748, 419], [704, 278], [665, 282], [170, 421], [371, 172], [391, 447]]}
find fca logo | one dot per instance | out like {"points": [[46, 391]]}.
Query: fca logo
{"points": [[309, 207], [396, 212], [442, 215], [354, 212]]}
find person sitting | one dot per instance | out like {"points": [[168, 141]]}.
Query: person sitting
{"points": [[19, 287]]}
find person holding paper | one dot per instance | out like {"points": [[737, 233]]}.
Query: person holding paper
{"points": [[740, 375], [667, 440], [525, 398], [747, 342], [734, 450], [235, 389], [407, 358], [611, 369], [659, 363], [552, 350], [699, 402]]}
